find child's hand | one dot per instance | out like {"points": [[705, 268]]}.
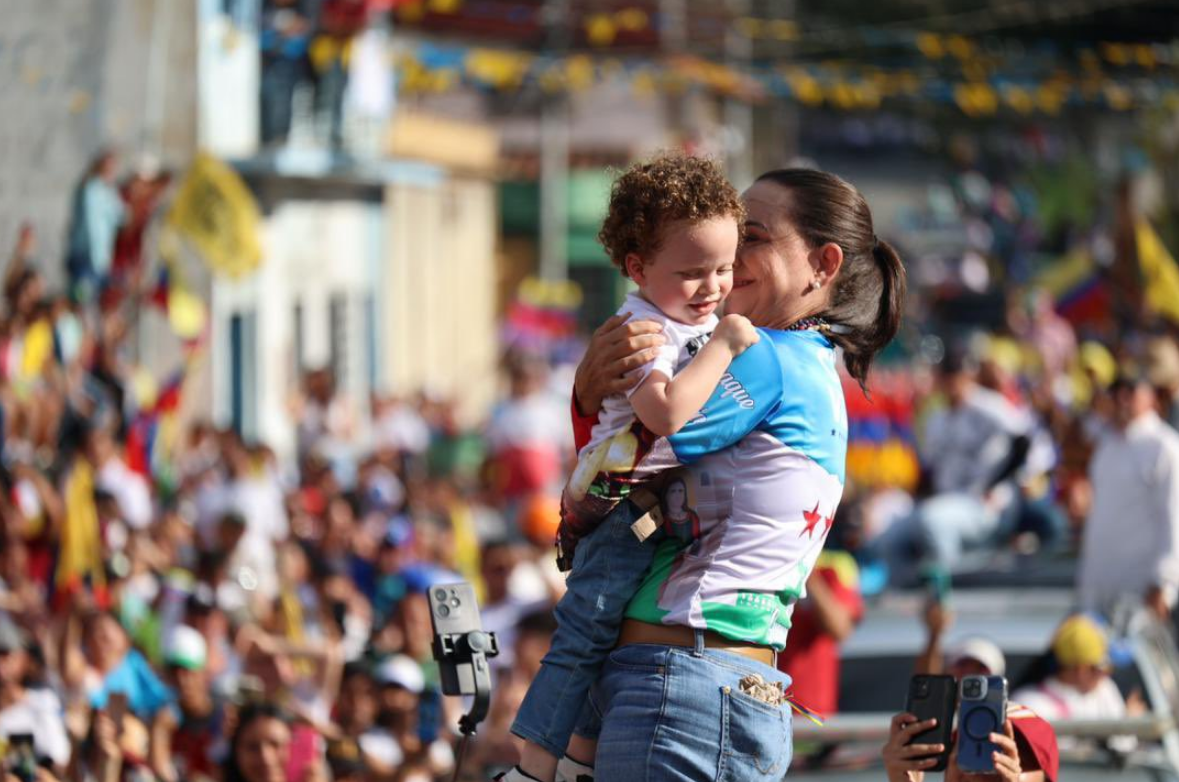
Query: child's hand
{"points": [[736, 333]]}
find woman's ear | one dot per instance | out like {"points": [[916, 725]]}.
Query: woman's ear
{"points": [[828, 260], [633, 265]]}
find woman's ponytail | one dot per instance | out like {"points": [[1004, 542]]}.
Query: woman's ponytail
{"points": [[868, 294]]}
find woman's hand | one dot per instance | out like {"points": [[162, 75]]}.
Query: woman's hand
{"points": [[736, 333], [616, 349], [906, 762], [1007, 765]]}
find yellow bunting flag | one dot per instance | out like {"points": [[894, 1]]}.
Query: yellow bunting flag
{"points": [[80, 555], [216, 213], [1159, 271]]}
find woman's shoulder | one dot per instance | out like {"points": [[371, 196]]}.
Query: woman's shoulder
{"points": [[796, 353]]}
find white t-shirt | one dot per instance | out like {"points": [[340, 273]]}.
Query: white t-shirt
{"points": [[1053, 700], [966, 445], [1131, 538], [682, 342], [40, 714]]}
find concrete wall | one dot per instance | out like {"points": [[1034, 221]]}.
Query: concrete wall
{"points": [[78, 75], [439, 296]]}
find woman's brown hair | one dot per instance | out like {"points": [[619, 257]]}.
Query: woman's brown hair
{"points": [[868, 296]]}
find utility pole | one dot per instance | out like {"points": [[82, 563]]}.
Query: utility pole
{"points": [[554, 155], [673, 39], [738, 114]]}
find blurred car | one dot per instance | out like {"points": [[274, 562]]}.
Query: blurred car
{"points": [[878, 660]]}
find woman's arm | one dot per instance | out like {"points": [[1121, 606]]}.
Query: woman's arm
{"points": [[938, 618], [836, 619], [616, 349]]}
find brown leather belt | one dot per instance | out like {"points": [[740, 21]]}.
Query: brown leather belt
{"points": [[635, 632]]}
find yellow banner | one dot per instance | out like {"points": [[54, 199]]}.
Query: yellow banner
{"points": [[1160, 274], [216, 213]]}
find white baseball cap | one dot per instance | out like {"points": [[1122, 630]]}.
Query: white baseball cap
{"points": [[980, 650], [186, 648], [402, 671]]}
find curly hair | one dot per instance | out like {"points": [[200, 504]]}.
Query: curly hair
{"points": [[649, 195]]}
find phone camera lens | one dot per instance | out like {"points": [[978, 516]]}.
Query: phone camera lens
{"points": [[440, 595], [443, 610], [455, 602]]}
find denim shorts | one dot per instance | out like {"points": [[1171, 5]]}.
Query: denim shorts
{"points": [[674, 714], [608, 567]]}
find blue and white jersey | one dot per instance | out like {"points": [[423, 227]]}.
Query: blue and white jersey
{"points": [[766, 461]]}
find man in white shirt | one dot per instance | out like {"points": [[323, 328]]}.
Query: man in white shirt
{"points": [[23, 710], [974, 450], [1130, 551]]}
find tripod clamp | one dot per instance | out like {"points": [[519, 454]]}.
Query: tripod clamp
{"points": [[471, 649]]}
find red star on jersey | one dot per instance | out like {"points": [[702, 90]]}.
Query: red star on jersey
{"points": [[813, 517], [829, 520]]}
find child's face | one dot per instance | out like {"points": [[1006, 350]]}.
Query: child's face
{"points": [[692, 272]]}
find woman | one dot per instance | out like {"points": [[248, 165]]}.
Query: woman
{"points": [[766, 464], [261, 746]]}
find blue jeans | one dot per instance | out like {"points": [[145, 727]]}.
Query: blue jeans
{"points": [[608, 568], [674, 714]]}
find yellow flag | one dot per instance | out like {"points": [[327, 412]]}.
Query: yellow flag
{"points": [[1159, 271], [38, 348], [216, 213], [81, 549]]}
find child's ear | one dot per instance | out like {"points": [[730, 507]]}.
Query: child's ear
{"points": [[633, 265]]}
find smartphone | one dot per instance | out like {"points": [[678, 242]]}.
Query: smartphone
{"points": [[934, 697], [983, 711], [454, 613], [22, 758], [116, 707]]}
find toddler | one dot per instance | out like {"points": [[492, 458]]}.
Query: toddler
{"points": [[673, 227]]}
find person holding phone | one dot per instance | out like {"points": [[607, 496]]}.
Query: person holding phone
{"points": [[906, 762], [24, 710]]}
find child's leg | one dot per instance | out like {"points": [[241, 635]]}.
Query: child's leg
{"points": [[582, 749], [607, 569]]}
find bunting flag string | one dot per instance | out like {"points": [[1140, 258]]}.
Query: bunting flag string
{"points": [[841, 85]]}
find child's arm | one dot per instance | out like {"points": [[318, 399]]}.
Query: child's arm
{"points": [[664, 404]]}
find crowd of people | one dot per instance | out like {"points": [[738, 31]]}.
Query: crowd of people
{"points": [[205, 609]]}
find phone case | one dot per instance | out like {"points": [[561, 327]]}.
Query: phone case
{"points": [[934, 697], [982, 712]]}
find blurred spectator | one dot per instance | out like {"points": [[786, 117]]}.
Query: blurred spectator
{"points": [[1135, 479], [1080, 686], [285, 36], [325, 422], [821, 622], [37, 712], [260, 750], [96, 215], [1162, 368], [399, 427], [331, 53], [979, 656], [361, 746], [142, 193], [529, 435], [972, 449], [199, 716]]}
